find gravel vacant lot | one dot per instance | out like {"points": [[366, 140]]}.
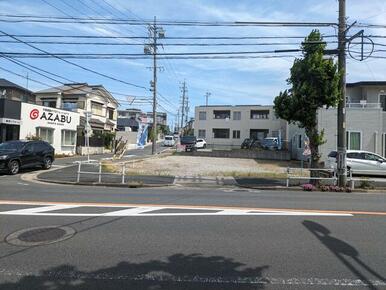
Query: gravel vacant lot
{"points": [[207, 166]]}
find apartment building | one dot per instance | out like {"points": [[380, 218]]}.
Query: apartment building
{"points": [[82, 98], [365, 122], [228, 126]]}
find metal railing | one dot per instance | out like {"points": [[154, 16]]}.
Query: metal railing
{"points": [[291, 175], [333, 175], [364, 105], [100, 173]]}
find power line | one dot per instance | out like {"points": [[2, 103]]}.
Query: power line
{"points": [[166, 37], [74, 64], [166, 44], [56, 19]]}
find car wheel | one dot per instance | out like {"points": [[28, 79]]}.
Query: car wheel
{"points": [[14, 167], [47, 163], [204, 146]]}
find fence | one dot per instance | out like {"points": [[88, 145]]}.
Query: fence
{"points": [[99, 173], [332, 175]]}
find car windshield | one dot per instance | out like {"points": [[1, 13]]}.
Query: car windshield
{"points": [[11, 146], [168, 138], [188, 138]]}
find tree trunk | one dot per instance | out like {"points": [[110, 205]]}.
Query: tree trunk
{"points": [[314, 140]]}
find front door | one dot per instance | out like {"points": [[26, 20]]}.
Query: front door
{"points": [[382, 100]]}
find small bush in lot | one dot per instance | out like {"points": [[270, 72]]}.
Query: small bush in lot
{"points": [[308, 187], [365, 184], [324, 188]]}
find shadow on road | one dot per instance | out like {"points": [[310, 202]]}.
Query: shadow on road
{"points": [[178, 271], [346, 253]]}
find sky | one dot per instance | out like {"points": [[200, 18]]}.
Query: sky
{"points": [[230, 81]]}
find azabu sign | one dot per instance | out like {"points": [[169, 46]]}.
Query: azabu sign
{"points": [[60, 125]]}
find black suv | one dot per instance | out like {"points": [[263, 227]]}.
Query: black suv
{"points": [[15, 155], [189, 142]]}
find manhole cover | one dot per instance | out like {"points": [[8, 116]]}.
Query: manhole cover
{"points": [[40, 236]]}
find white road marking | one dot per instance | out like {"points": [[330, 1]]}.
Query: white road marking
{"points": [[37, 210], [148, 211]]}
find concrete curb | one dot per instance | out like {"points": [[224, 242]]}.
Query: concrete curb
{"points": [[125, 185]]}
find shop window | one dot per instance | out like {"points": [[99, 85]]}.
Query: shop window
{"points": [[45, 134], [236, 134], [259, 114], [201, 134], [202, 116], [222, 114], [97, 109], [68, 138], [221, 133], [236, 115], [354, 140]]}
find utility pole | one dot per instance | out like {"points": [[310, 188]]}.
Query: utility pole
{"points": [[187, 109], [207, 95], [155, 32], [183, 89], [341, 158]]}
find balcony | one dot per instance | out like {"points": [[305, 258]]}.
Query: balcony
{"points": [[364, 105]]}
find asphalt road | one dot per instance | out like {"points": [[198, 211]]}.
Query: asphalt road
{"points": [[191, 238]]}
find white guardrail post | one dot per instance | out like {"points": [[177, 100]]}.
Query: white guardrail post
{"points": [[352, 185], [288, 172], [123, 173], [100, 173], [78, 173]]}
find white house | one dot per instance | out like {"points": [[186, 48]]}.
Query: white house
{"points": [[227, 126], [57, 127]]}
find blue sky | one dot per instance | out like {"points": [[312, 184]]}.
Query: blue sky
{"points": [[231, 81]]}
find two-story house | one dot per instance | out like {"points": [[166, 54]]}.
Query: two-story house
{"points": [[11, 96], [228, 126], [83, 98], [365, 121]]}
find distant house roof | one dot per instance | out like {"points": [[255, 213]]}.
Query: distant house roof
{"points": [[7, 84], [366, 83], [78, 89]]}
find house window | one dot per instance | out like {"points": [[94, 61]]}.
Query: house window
{"points": [[110, 114], [236, 115], [97, 109], [68, 138], [223, 114], [49, 103], [70, 105], [300, 142], [236, 134], [201, 133], [259, 114], [45, 134], [221, 133], [202, 116], [354, 140]]}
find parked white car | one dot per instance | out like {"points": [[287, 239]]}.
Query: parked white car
{"points": [[360, 162], [201, 143], [169, 141]]}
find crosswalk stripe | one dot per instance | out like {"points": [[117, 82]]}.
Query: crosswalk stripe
{"points": [[40, 209]]}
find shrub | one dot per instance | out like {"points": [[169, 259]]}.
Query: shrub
{"points": [[308, 187]]}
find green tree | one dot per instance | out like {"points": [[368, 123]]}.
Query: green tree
{"points": [[314, 82]]}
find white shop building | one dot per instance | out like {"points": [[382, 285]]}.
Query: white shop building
{"points": [[57, 127]]}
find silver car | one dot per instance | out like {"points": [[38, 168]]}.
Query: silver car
{"points": [[360, 162]]}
